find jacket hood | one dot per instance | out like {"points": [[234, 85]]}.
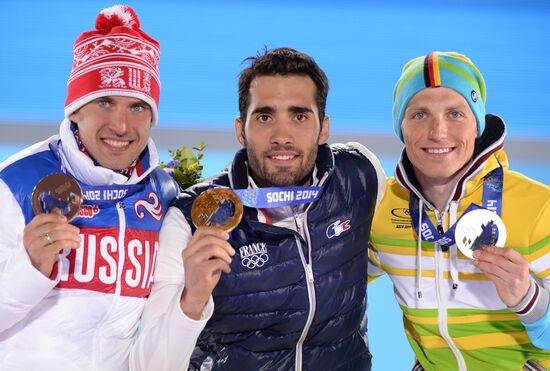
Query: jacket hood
{"points": [[83, 167]]}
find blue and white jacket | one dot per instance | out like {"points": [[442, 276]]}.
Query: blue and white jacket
{"points": [[302, 308], [85, 316]]}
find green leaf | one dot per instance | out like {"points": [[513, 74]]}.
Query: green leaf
{"points": [[189, 171]]}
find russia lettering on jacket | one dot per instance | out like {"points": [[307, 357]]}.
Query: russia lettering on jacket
{"points": [[106, 264]]}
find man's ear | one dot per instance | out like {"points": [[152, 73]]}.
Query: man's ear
{"points": [[74, 116], [325, 131], [239, 131]]}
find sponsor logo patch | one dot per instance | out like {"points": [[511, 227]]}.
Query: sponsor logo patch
{"points": [[88, 211], [401, 218], [337, 228], [474, 96]]}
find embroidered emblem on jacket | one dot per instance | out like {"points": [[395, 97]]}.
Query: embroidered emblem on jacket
{"points": [[153, 207], [337, 228], [254, 255]]}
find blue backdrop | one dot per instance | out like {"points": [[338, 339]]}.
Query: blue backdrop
{"points": [[362, 46]]}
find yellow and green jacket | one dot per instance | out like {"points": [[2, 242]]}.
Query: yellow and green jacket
{"points": [[452, 314]]}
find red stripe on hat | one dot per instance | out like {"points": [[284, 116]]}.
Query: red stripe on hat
{"points": [[433, 70]]}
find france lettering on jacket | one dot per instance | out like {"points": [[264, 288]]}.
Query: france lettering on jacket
{"points": [[106, 264], [253, 248]]}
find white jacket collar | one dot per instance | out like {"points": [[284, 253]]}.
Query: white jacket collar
{"points": [[83, 168]]}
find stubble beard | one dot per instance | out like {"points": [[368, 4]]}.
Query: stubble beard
{"points": [[284, 176]]}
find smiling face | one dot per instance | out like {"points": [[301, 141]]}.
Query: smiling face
{"points": [[114, 130], [439, 130], [282, 130]]}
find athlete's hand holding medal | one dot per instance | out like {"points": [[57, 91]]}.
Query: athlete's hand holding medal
{"points": [[480, 234], [215, 213], [479, 228], [56, 199], [207, 253]]}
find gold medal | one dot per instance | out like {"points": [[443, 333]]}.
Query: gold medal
{"points": [[57, 191], [217, 207]]}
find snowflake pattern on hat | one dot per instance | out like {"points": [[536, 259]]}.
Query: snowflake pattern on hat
{"points": [[117, 58]]}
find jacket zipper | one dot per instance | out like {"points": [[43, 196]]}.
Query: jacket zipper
{"points": [[311, 296], [308, 268], [96, 351], [442, 308], [440, 230], [121, 247]]}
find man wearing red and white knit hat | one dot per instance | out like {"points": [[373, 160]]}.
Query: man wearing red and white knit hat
{"points": [[78, 248]]}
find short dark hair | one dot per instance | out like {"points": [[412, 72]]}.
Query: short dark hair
{"points": [[282, 61]]}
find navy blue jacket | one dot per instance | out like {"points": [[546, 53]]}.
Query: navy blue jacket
{"points": [[263, 306]]}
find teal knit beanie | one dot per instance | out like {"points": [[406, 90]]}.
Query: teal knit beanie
{"points": [[447, 69]]}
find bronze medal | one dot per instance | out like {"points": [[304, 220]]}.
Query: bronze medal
{"points": [[217, 207], [57, 191]]}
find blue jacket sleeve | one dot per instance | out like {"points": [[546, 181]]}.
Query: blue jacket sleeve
{"points": [[539, 331]]}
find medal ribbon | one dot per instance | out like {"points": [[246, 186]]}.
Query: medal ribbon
{"points": [[99, 195], [264, 198], [492, 200]]}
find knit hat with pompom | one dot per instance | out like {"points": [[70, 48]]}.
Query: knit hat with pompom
{"points": [[117, 58]]}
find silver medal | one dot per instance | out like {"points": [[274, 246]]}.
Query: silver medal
{"points": [[478, 228]]}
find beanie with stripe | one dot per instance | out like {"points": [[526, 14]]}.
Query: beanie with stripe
{"points": [[446, 69]]}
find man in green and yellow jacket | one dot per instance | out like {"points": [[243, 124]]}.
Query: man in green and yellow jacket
{"points": [[460, 312]]}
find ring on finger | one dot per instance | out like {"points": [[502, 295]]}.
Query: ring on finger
{"points": [[48, 238]]}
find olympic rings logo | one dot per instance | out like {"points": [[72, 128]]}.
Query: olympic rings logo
{"points": [[255, 261]]}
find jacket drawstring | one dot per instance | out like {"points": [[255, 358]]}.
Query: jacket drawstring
{"points": [[419, 251], [453, 262], [453, 250]]}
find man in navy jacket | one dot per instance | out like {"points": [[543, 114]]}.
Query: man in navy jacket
{"points": [[286, 289]]}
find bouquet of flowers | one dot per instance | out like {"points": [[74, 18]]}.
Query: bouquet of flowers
{"points": [[185, 166]]}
